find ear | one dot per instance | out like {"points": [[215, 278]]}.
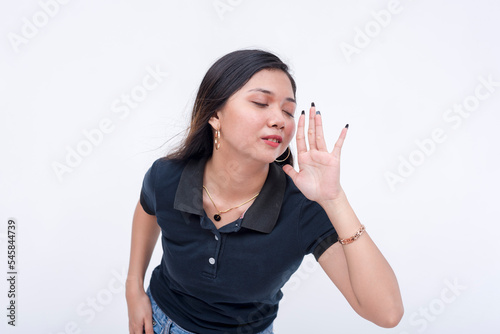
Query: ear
{"points": [[214, 121]]}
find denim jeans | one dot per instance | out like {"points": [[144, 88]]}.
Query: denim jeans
{"points": [[162, 324]]}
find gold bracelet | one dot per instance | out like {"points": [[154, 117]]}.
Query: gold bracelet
{"points": [[354, 237]]}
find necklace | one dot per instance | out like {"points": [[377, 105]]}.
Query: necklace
{"points": [[217, 215]]}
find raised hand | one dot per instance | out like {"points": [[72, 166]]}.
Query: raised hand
{"points": [[319, 170]]}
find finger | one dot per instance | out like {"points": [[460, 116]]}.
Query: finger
{"points": [[311, 131], [148, 327], [340, 141], [320, 137], [301, 137], [136, 329], [290, 171]]}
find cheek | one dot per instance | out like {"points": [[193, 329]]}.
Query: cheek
{"points": [[290, 130]]}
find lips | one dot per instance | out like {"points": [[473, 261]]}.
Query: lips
{"points": [[273, 141], [276, 139]]}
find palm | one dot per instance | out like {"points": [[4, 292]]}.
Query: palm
{"points": [[319, 170]]}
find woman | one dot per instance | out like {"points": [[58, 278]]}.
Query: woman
{"points": [[237, 219]]}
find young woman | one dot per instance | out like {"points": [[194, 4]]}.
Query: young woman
{"points": [[236, 219]]}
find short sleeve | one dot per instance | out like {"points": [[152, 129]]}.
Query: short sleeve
{"points": [[147, 197], [316, 232]]}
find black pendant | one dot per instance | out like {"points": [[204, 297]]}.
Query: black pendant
{"points": [[217, 217]]}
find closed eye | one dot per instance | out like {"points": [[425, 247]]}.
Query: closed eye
{"points": [[263, 105]]}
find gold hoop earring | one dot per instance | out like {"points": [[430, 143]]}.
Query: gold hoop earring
{"points": [[286, 156], [217, 139]]}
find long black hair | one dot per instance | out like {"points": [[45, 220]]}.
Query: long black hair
{"points": [[226, 76]]}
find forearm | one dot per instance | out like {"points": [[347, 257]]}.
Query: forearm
{"points": [[145, 231], [372, 278]]}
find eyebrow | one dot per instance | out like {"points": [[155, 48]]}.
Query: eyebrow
{"points": [[265, 91]]}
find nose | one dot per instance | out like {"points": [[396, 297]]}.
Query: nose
{"points": [[276, 118]]}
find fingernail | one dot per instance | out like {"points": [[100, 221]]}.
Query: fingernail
{"points": [[303, 112], [346, 126], [318, 113], [312, 104]]}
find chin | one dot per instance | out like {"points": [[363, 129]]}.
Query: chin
{"points": [[264, 160]]}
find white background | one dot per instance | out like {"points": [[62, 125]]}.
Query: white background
{"points": [[437, 225]]}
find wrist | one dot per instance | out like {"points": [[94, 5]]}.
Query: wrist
{"points": [[335, 201], [134, 292], [133, 283]]}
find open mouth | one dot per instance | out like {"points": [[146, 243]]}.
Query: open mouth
{"points": [[273, 141]]}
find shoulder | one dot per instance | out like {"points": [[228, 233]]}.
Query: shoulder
{"points": [[164, 172], [169, 176], [164, 166]]}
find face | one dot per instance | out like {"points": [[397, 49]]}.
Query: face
{"points": [[257, 121]]}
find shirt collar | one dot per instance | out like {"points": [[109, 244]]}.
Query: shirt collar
{"points": [[262, 214]]}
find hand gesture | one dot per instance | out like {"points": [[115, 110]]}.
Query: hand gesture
{"points": [[319, 170]]}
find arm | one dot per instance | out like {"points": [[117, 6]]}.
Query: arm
{"points": [[145, 233], [358, 269]]}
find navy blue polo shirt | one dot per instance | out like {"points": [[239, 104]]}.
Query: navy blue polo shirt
{"points": [[228, 280]]}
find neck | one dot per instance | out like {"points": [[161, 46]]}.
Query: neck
{"points": [[234, 179]]}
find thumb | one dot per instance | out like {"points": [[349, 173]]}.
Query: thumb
{"points": [[290, 171]]}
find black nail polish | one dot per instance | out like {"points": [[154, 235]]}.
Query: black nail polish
{"points": [[312, 104], [346, 126], [303, 112], [318, 112]]}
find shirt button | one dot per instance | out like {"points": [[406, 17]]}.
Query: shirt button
{"points": [[211, 260], [216, 237]]}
